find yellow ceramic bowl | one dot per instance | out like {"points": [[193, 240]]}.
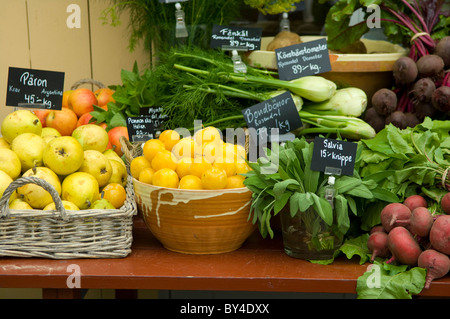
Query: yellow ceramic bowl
{"points": [[196, 221], [369, 72]]}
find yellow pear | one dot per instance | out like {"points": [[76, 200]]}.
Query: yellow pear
{"points": [[67, 205], [34, 194], [4, 143], [29, 147], [18, 122], [49, 131], [10, 163], [119, 173], [80, 188], [98, 165], [5, 180], [19, 203], [111, 154]]}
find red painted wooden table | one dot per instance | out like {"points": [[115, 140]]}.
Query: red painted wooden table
{"points": [[259, 265]]}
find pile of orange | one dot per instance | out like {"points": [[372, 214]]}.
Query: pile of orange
{"points": [[203, 161]]}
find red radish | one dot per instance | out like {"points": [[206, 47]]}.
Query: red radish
{"points": [[393, 212], [376, 229], [436, 264], [445, 203], [415, 201], [440, 234], [419, 223], [377, 244], [403, 246]]}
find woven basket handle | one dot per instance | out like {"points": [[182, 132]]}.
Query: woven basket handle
{"points": [[99, 84], [4, 200]]}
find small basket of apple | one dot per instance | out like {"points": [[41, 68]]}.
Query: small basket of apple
{"points": [[62, 198]]}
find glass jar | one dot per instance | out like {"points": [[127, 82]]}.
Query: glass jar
{"points": [[307, 236]]}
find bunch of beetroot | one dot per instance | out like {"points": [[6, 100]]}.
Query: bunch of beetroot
{"points": [[411, 235], [422, 88]]}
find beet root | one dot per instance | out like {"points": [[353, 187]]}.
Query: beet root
{"points": [[377, 244], [430, 65], [403, 247], [423, 89], [424, 109], [405, 71], [440, 234], [393, 212], [441, 99], [415, 201], [384, 101], [398, 119], [436, 264], [443, 50], [419, 223], [374, 119], [445, 203]]}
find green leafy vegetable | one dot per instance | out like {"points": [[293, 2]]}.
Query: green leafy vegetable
{"points": [[386, 281]]}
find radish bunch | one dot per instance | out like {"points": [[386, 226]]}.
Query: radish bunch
{"points": [[422, 88], [410, 235]]}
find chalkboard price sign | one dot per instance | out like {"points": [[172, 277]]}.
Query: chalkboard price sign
{"points": [[35, 88], [278, 113], [332, 156], [236, 38], [299, 60], [140, 128]]}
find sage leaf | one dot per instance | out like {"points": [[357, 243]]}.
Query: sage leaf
{"points": [[323, 208]]}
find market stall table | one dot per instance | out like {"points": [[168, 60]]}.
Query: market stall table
{"points": [[259, 265]]}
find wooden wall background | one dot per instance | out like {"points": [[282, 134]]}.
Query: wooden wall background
{"points": [[35, 34]]}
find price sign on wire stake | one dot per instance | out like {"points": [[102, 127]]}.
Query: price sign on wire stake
{"points": [[140, 128], [235, 38], [334, 157], [36, 89], [299, 60]]}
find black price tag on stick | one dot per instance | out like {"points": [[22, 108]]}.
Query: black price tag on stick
{"points": [[35, 89], [155, 114], [235, 38], [299, 60], [279, 113], [333, 157], [140, 128]]}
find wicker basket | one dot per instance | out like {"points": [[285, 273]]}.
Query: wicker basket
{"points": [[65, 234]]}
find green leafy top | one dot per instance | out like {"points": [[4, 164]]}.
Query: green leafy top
{"points": [[410, 161], [401, 20], [272, 6], [284, 179]]}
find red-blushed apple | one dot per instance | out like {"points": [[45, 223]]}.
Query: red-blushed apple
{"points": [[104, 96], [64, 120], [65, 99], [114, 138], [82, 100], [42, 115]]}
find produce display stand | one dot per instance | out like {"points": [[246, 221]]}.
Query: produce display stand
{"points": [[259, 265]]}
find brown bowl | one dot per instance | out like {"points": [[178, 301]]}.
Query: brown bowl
{"points": [[370, 71], [196, 221]]}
